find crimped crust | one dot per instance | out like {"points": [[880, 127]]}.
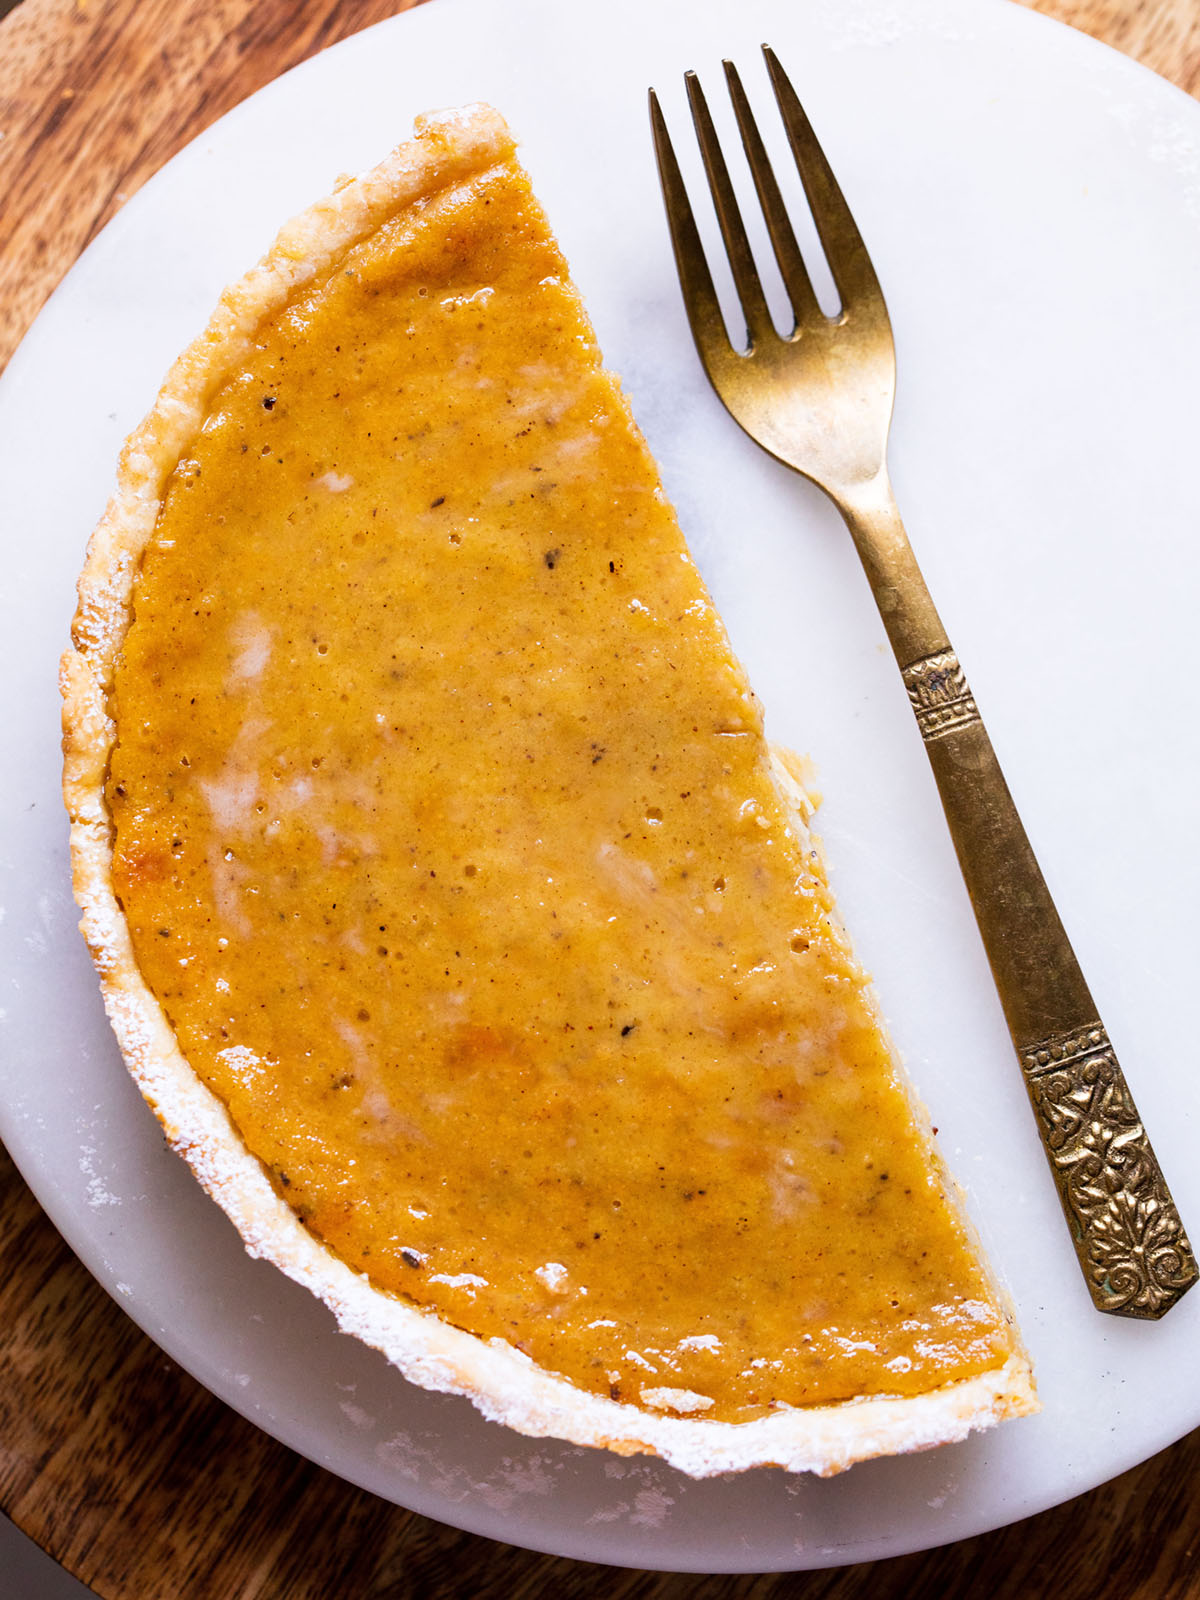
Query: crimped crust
{"points": [[502, 1382]]}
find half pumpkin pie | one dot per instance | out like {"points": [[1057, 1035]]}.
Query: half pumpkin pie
{"points": [[452, 912]]}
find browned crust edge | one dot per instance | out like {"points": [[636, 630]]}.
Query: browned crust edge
{"points": [[503, 1383]]}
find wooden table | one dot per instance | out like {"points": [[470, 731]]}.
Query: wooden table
{"points": [[111, 1458]]}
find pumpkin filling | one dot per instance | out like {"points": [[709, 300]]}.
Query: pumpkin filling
{"points": [[449, 842]]}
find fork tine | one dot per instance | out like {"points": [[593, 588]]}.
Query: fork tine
{"points": [[783, 240], [845, 251], [699, 294], [733, 230]]}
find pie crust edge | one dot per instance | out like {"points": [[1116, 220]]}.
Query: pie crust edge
{"points": [[502, 1382]]}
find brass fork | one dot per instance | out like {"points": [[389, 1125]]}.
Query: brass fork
{"points": [[820, 400]]}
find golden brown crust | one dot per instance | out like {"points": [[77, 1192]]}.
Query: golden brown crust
{"points": [[498, 1378]]}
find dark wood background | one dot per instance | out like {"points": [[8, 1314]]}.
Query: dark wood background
{"points": [[111, 1458]]}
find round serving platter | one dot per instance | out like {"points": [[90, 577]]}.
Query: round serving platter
{"points": [[1032, 204]]}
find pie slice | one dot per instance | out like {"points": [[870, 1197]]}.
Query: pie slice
{"points": [[451, 910]]}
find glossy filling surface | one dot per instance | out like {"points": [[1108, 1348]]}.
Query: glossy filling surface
{"points": [[447, 837]]}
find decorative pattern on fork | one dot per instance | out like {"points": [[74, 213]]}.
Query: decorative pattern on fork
{"points": [[819, 399], [939, 693]]}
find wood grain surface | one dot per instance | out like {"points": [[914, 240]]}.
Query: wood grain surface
{"points": [[113, 1459]]}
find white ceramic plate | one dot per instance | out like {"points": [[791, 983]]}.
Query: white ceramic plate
{"points": [[1032, 202]]}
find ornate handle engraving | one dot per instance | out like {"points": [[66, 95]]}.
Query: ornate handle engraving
{"points": [[940, 695], [1127, 1233], [1128, 1236]]}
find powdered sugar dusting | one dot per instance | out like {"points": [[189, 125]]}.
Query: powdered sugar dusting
{"points": [[648, 1509], [251, 641], [511, 1479], [853, 24], [98, 1192], [356, 1416], [685, 1401]]}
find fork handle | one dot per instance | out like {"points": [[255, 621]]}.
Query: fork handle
{"points": [[1127, 1232]]}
